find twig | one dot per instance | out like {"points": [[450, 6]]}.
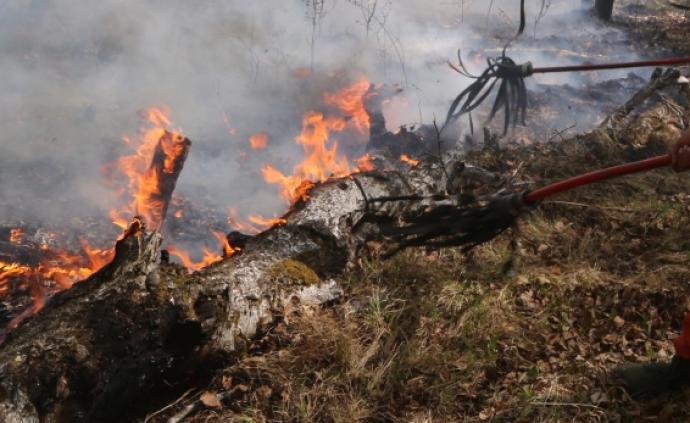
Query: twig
{"points": [[183, 413], [675, 108], [594, 206], [565, 404], [394, 198], [659, 80], [542, 12], [440, 152], [488, 12], [559, 133], [397, 47], [167, 407]]}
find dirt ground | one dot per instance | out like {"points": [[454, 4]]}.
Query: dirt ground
{"points": [[523, 329]]}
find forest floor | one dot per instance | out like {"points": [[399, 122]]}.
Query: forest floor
{"points": [[526, 328]]}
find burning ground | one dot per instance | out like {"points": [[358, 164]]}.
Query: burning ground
{"points": [[522, 329]]}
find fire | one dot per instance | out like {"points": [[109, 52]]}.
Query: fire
{"points": [[259, 141], [364, 164], [351, 102], [266, 222], [228, 250], [254, 223], [191, 265], [322, 160], [9, 271], [238, 224], [97, 257], [57, 270], [409, 160], [209, 257], [158, 151]]}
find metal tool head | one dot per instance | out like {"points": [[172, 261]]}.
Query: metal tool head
{"points": [[511, 96]]}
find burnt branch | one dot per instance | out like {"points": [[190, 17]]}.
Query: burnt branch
{"points": [[660, 79], [161, 177]]}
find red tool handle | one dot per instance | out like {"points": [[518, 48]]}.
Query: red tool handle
{"points": [[643, 63], [598, 175]]}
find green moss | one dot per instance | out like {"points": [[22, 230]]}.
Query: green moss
{"points": [[293, 271]]}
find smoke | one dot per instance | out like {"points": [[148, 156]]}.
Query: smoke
{"points": [[76, 75]]}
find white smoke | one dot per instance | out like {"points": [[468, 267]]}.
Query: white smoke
{"points": [[76, 74]]}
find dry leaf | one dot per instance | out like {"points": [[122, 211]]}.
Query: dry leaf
{"points": [[210, 399], [618, 321]]}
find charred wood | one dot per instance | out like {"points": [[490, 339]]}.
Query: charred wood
{"points": [[166, 166]]}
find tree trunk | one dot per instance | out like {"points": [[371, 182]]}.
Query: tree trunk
{"points": [[110, 340]]}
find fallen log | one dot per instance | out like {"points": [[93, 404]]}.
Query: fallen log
{"points": [[96, 351]]}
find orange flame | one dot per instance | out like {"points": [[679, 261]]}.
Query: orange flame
{"points": [[254, 223], [322, 160], [228, 250], [143, 180], [9, 271], [209, 257], [57, 266], [266, 222], [259, 141], [351, 102], [409, 160], [97, 257], [238, 224], [365, 164], [191, 265]]}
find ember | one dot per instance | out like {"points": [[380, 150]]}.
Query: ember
{"points": [[259, 141], [407, 159], [365, 164]]}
